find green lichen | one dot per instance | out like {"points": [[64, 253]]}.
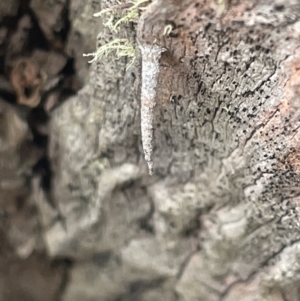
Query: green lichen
{"points": [[130, 12], [223, 5], [121, 47], [167, 30]]}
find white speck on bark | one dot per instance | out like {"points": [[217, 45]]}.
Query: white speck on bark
{"points": [[150, 70]]}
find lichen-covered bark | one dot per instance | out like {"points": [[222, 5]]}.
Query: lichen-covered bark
{"points": [[218, 220]]}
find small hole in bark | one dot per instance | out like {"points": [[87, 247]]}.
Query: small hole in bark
{"points": [[279, 7]]}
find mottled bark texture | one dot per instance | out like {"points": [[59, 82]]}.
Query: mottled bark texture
{"points": [[219, 218]]}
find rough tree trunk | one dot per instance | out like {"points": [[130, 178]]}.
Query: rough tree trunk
{"points": [[218, 220]]}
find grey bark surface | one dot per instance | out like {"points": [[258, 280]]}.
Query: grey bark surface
{"points": [[219, 218]]}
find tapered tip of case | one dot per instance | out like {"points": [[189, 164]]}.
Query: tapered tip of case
{"points": [[150, 168]]}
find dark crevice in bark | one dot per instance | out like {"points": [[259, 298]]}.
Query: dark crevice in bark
{"points": [[185, 263]]}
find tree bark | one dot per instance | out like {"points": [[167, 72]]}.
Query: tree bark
{"points": [[219, 218]]}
